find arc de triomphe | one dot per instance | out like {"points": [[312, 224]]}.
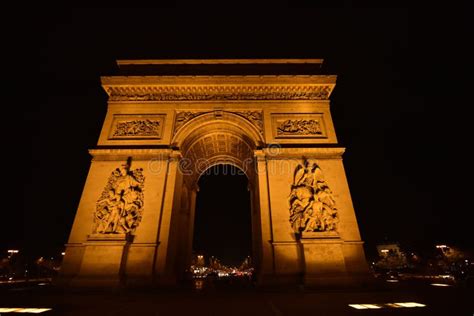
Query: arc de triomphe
{"points": [[167, 122]]}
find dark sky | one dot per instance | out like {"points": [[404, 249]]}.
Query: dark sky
{"points": [[400, 106]]}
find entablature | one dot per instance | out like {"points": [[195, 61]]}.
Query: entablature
{"points": [[218, 88]]}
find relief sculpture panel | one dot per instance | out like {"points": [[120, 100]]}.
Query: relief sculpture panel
{"points": [[312, 204], [119, 208], [299, 125], [137, 127]]}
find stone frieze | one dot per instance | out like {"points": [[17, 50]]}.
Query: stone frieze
{"points": [[219, 93]]}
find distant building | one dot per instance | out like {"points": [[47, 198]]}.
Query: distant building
{"points": [[385, 250], [198, 260], [391, 256]]}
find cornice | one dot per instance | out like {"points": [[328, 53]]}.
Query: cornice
{"points": [[253, 61], [218, 88], [218, 80]]}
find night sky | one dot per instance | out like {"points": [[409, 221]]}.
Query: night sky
{"points": [[400, 107]]}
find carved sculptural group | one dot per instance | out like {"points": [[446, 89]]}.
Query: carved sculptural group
{"points": [[312, 205], [299, 127], [138, 128], [120, 207]]}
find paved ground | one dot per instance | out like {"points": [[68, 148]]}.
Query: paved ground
{"points": [[243, 300]]}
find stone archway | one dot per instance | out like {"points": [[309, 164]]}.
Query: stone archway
{"points": [[210, 139], [217, 137], [133, 225]]}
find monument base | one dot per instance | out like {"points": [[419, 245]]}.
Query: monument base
{"points": [[103, 261], [323, 260]]}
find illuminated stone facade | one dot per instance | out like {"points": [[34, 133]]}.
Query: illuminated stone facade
{"points": [[134, 223]]}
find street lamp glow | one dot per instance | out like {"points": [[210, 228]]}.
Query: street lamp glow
{"points": [[12, 251], [441, 246]]}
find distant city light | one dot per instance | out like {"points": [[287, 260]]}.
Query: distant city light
{"points": [[441, 246], [384, 250], [364, 306], [391, 305], [392, 280], [446, 276], [410, 304], [23, 310], [199, 284], [13, 251], [440, 284]]}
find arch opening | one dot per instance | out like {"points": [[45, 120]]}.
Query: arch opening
{"points": [[218, 167], [222, 224]]}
